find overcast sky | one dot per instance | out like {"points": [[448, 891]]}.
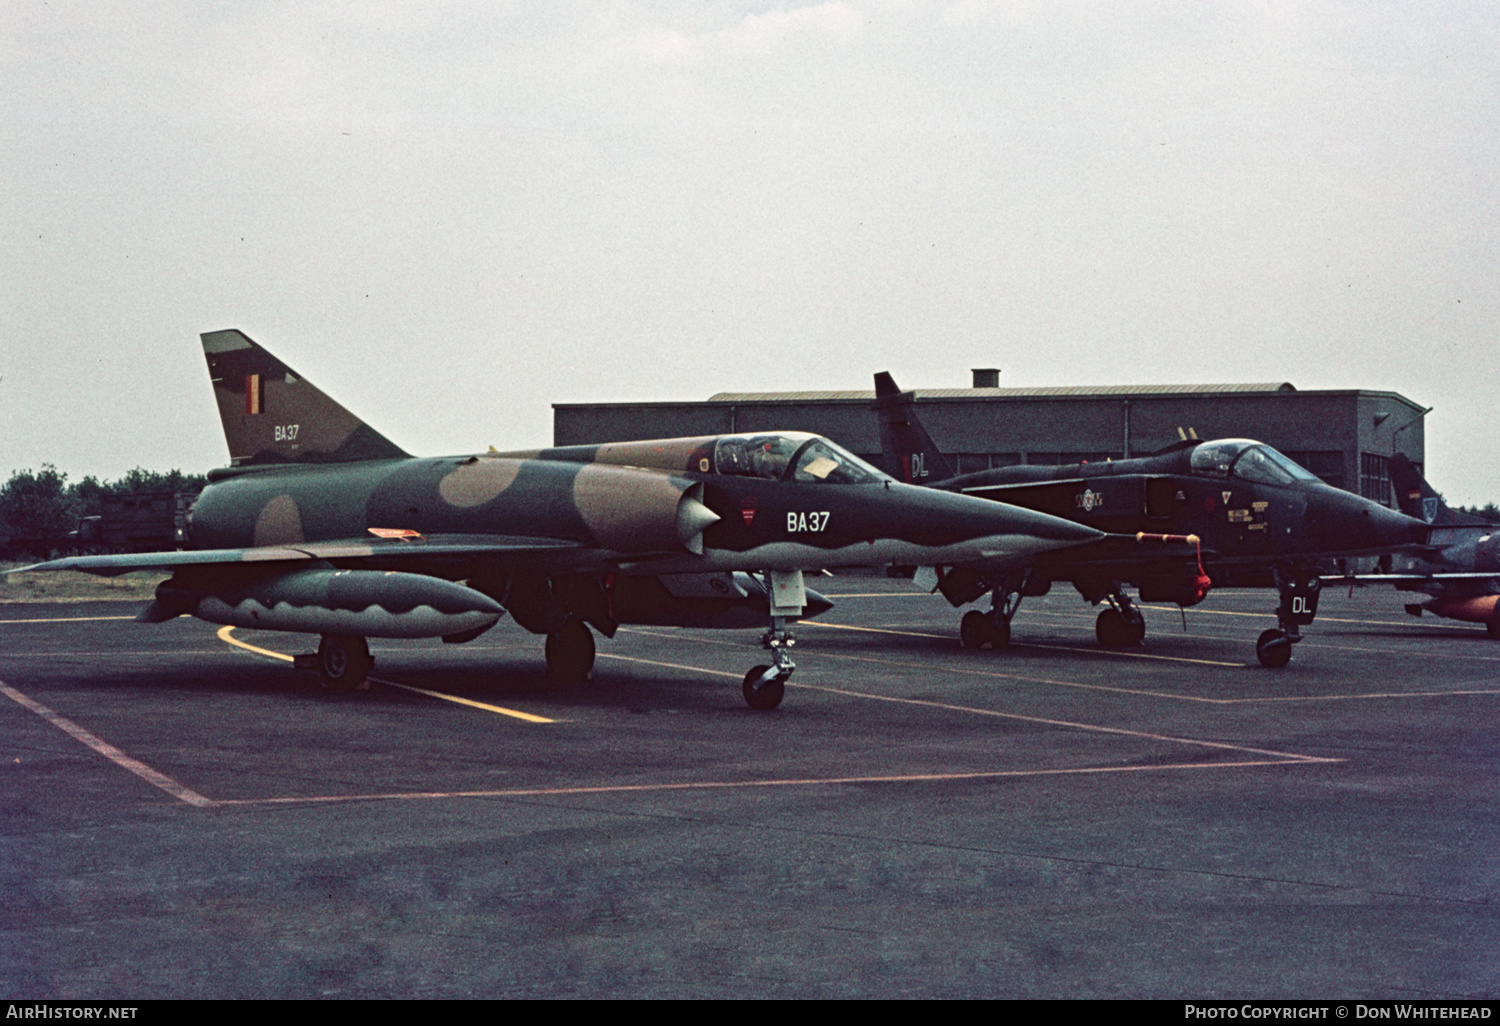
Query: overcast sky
{"points": [[450, 215]]}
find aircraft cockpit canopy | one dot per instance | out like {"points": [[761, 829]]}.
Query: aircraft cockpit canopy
{"points": [[1251, 460], [791, 456]]}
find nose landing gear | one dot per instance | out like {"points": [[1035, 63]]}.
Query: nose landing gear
{"points": [[765, 686], [1299, 589]]}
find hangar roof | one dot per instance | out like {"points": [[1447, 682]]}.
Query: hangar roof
{"points": [[1008, 393]]}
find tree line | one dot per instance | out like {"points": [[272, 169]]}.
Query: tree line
{"points": [[39, 509], [1489, 511]]}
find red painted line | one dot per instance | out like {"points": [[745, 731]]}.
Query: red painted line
{"points": [[68, 619], [107, 750]]}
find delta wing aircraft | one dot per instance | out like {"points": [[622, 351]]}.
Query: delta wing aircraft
{"points": [[1196, 514], [322, 525], [1459, 569]]}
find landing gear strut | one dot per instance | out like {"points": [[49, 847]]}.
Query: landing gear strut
{"points": [[991, 628], [1121, 625], [1299, 605], [570, 652], [765, 686]]}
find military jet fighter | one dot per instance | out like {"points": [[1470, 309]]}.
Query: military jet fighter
{"points": [[1196, 514], [322, 525], [1459, 569]]}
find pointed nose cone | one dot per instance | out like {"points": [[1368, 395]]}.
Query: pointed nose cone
{"points": [[971, 528], [1343, 524], [692, 519], [817, 604], [1392, 530], [1024, 532]]}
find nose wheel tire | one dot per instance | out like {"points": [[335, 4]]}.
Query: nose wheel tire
{"points": [[344, 660], [763, 690], [1273, 648]]}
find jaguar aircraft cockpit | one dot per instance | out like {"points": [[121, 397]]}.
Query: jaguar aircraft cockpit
{"points": [[1247, 459]]}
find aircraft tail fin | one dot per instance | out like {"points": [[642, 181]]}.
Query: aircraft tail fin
{"points": [[1419, 499], [271, 414], [909, 453]]}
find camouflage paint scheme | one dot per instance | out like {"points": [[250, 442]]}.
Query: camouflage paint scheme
{"points": [[321, 524], [1194, 516], [1459, 569]]}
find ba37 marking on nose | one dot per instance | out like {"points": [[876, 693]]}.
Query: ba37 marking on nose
{"points": [[796, 522]]}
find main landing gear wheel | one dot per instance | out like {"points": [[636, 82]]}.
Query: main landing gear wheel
{"points": [[570, 652], [1115, 631], [344, 660], [1273, 648], [978, 629], [764, 689]]}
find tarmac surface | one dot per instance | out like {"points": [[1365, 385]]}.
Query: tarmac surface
{"points": [[184, 816]]}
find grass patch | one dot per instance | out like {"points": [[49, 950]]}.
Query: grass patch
{"points": [[72, 586]]}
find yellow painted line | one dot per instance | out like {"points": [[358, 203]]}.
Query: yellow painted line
{"points": [[226, 634], [876, 630], [670, 666], [109, 751], [1031, 644], [1129, 655], [878, 594], [68, 619], [707, 785], [528, 717]]}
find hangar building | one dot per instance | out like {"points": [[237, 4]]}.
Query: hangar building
{"points": [[1346, 437]]}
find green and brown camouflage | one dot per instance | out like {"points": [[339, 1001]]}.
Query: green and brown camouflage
{"points": [[322, 524], [271, 414]]}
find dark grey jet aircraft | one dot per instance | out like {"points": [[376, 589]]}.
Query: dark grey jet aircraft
{"points": [[1194, 516], [322, 525], [1458, 569]]}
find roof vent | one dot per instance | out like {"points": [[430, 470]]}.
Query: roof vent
{"points": [[986, 377]]}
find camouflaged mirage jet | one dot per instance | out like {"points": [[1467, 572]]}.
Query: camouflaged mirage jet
{"points": [[322, 525], [1458, 569], [1189, 518]]}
